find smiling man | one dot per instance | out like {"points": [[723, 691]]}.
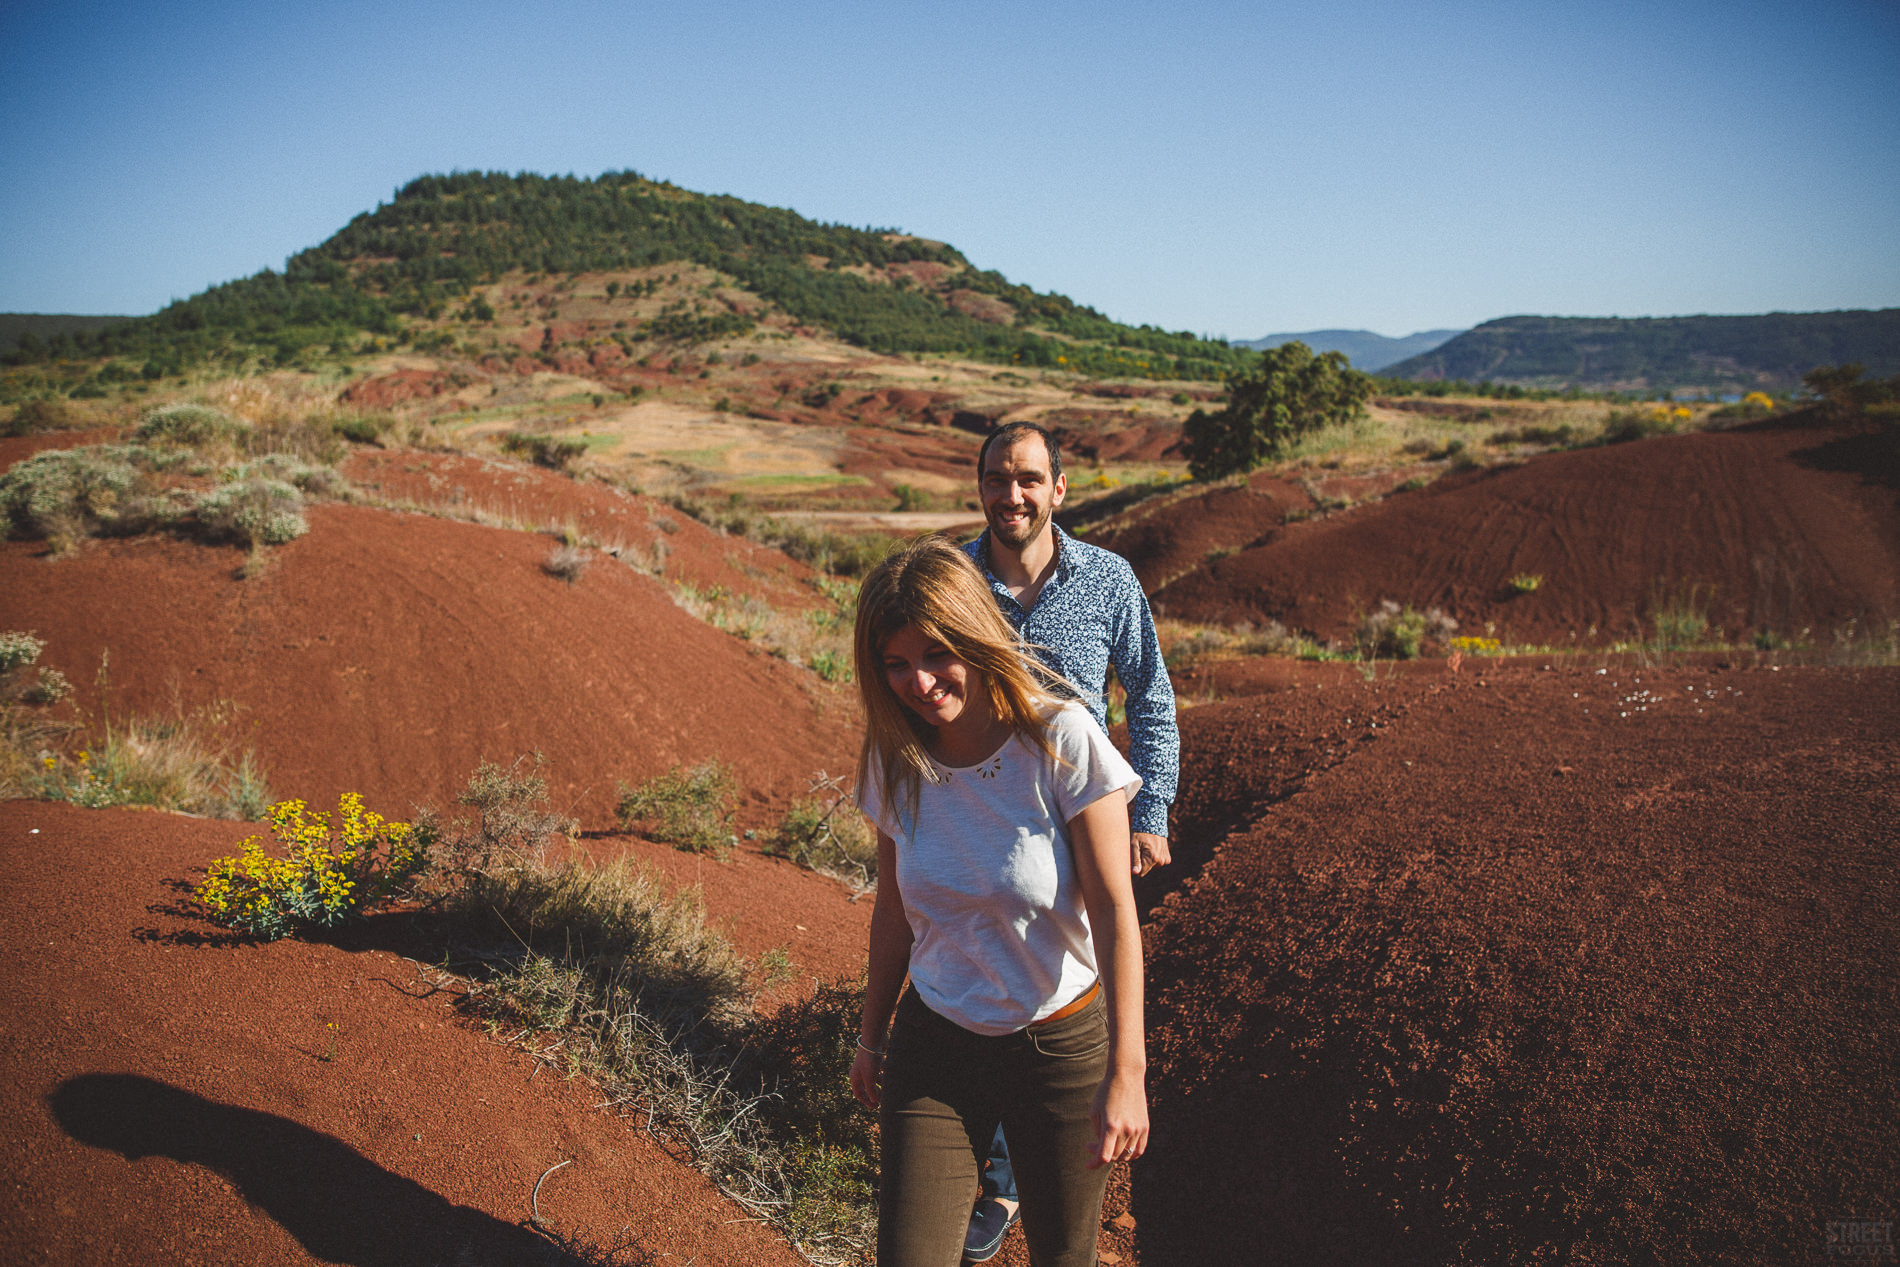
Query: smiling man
{"points": [[1079, 609]]}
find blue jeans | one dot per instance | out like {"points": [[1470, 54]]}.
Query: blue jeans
{"points": [[999, 1181]]}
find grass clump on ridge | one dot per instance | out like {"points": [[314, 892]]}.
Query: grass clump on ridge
{"points": [[552, 452], [690, 807], [824, 831], [169, 763], [1402, 633]]}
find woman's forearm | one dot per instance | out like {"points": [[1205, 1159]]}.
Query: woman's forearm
{"points": [[1100, 835], [1118, 952], [889, 957]]}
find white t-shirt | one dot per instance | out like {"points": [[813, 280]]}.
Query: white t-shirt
{"points": [[1001, 937]]}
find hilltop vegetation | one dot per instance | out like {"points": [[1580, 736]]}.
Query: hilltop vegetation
{"points": [[419, 256], [1653, 354]]}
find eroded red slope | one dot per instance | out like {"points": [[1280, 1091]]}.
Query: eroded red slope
{"points": [[1777, 527], [390, 653]]}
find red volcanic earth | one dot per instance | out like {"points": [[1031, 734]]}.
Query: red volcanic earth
{"points": [[1584, 959]]}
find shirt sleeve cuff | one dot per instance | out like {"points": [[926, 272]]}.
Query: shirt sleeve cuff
{"points": [[1148, 816]]}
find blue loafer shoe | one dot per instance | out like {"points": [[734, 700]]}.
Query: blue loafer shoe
{"points": [[990, 1222]]}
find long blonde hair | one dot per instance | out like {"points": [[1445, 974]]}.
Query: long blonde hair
{"points": [[933, 585]]}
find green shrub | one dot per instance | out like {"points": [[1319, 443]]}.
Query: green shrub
{"points": [[34, 416], [1287, 393], [910, 497], [167, 763], [27, 730], [1525, 582], [828, 834], [606, 973], [92, 490], [313, 478], [253, 511], [1401, 633], [566, 562], [363, 428], [189, 426], [1680, 614], [832, 666], [1562, 433], [543, 450], [690, 807], [802, 1058], [1625, 425], [18, 651]]}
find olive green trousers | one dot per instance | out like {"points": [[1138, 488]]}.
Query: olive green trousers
{"points": [[945, 1090]]}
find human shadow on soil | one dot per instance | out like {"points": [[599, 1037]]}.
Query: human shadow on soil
{"points": [[341, 1206]]}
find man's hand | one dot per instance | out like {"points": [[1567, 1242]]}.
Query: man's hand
{"points": [[1151, 851]]}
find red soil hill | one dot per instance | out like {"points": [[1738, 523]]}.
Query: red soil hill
{"points": [[1788, 527], [390, 653]]}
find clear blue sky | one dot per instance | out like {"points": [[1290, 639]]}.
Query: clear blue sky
{"points": [[1226, 168]]}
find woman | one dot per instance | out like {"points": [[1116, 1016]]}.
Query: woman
{"points": [[1004, 893]]}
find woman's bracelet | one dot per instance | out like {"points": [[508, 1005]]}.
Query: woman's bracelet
{"points": [[864, 1046]]}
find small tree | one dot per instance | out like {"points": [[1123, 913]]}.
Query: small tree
{"points": [[1846, 391], [1287, 394]]}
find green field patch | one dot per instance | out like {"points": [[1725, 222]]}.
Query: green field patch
{"points": [[698, 457], [794, 482]]}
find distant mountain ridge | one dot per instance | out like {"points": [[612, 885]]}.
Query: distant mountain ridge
{"points": [[1713, 353], [1367, 351]]}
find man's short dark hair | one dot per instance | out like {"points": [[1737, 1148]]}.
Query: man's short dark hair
{"points": [[1009, 435]]}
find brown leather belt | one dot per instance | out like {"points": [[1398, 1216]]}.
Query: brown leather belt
{"points": [[1070, 1009]]}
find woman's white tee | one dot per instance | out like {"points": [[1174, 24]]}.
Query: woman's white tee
{"points": [[1000, 934]]}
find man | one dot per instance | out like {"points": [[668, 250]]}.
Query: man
{"points": [[1080, 609]]}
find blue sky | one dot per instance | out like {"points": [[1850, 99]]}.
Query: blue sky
{"points": [[1227, 168]]}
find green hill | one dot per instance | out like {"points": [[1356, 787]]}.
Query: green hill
{"points": [[417, 256], [1724, 354]]}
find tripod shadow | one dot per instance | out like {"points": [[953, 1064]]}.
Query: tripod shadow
{"points": [[341, 1207]]}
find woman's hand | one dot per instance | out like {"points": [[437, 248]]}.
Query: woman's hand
{"points": [[865, 1072], [1121, 1120]]}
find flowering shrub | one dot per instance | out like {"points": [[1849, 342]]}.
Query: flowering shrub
{"points": [[329, 874], [1475, 646]]}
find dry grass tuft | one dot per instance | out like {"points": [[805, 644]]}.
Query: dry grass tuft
{"points": [[566, 562], [603, 973]]}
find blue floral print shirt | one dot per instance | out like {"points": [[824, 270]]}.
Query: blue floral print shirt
{"points": [[1092, 614]]}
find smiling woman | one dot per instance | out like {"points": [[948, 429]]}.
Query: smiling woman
{"points": [[1004, 895]]}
